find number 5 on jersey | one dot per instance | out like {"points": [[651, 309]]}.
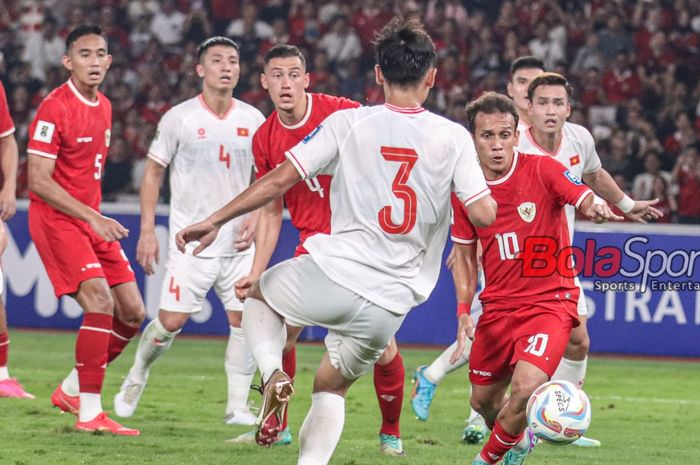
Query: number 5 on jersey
{"points": [[408, 159]]}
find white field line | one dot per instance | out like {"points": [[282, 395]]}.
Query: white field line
{"points": [[656, 400]]}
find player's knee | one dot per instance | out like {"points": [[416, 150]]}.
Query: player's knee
{"points": [[578, 346], [132, 310], [172, 321], [389, 353], [521, 389], [96, 299]]}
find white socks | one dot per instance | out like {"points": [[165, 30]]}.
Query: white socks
{"points": [[90, 406], [240, 368], [437, 370], [320, 433], [70, 384], [266, 334], [573, 371], [155, 340], [4, 373]]}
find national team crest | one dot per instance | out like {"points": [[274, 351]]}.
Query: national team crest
{"points": [[108, 137], [527, 211], [575, 160]]}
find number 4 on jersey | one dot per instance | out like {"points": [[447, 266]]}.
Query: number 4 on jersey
{"points": [[408, 159], [224, 157]]}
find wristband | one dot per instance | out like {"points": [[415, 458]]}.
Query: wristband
{"points": [[463, 308], [626, 204]]}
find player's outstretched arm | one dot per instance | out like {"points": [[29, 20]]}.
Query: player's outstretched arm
{"points": [[147, 250], [42, 184], [483, 211], [464, 274], [8, 166], [266, 236], [598, 212], [266, 189], [605, 186]]}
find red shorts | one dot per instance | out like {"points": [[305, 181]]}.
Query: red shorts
{"points": [[72, 252], [537, 333]]}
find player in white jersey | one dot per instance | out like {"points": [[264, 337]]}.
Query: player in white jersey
{"points": [[573, 146], [207, 143], [393, 169]]}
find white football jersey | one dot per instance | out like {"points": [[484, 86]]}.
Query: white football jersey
{"points": [[393, 170], [576, 151], [211, 161]]}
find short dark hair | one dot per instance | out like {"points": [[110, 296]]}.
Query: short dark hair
{"points": [[213, 41], [489, 104], [84, 30], [549, 79], [526, 62], [404, 51], [284, 51]]}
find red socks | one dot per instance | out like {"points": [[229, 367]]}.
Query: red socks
{"points": [[499, 443], [119, 338], [91, 351], [4, 348], [289, 366], [389, 383]]}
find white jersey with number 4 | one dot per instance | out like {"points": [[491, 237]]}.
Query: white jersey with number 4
{"points": [[576, 151], [393, 170], [211, 161]]}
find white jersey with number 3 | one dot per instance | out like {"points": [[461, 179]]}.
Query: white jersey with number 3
{"points": [[576, 151], [393, 170], [211, 161]]}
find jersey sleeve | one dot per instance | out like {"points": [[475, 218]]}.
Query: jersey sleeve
{"points": [[317, 152], [591, 160], [7, 127], [560, 183], [165, 142], [45, 131], [468, 181], [463, 231]]}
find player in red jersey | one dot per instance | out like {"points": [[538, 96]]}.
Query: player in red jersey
{"points": [[526, 321], [9, 387], [68, 143], [296, 114]]}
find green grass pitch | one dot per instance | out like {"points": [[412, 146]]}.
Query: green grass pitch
{"points": [[644, 412]]}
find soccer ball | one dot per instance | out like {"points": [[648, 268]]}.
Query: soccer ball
{"points": [[558, 412]]}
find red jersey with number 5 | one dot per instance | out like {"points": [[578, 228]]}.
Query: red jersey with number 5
{"points": [[74, 131], [531, 198], [308, 201]]}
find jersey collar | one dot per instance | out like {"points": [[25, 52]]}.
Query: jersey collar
{"points": [[529, 135], [80, 96], [505, 177], [307, 114], [212, 112], [405, 110]]}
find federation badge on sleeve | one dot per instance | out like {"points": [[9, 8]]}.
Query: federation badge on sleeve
{"points": [[527, 211], [572, 177], [44, 131], [108, 136]]}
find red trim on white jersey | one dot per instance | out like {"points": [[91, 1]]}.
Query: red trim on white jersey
{"points": [[206, 107], [476, 197], [290, 156], [157, 159], [505, 177], [80, 96], [405, 110], [529, 135], [307, 114]]}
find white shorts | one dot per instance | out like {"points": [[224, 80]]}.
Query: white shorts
{"points": [[358, 330], [189, 278], [581, 307]]}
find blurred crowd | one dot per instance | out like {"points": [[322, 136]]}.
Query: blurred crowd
{"points": [[634, 65]]}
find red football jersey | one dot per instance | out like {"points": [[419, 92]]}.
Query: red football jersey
{"points": [[530, 198], [75, 132], [307, 201], [7, 127]]}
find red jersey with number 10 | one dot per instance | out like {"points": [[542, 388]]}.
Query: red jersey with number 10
{"points": [[75, 132], [531, 198], [308, 201]]}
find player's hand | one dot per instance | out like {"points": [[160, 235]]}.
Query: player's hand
{"points": [[107, 228], [242, 286], [205, 232], [8, 205], [246, 235], [147, 251], [601, 213], [465, 329], [643, 211]]}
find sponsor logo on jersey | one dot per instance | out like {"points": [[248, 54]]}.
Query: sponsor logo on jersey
{"points": [[527, 211], [312, 134], [572, 177], [201, 133], [108, 136], [575, 160], [242, 132], [44, 131], [84, 140]]}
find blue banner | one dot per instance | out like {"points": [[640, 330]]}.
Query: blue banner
{"points": [[642, 287]]}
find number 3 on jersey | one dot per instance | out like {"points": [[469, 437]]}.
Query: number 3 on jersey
{"points": [[408, 159]]}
